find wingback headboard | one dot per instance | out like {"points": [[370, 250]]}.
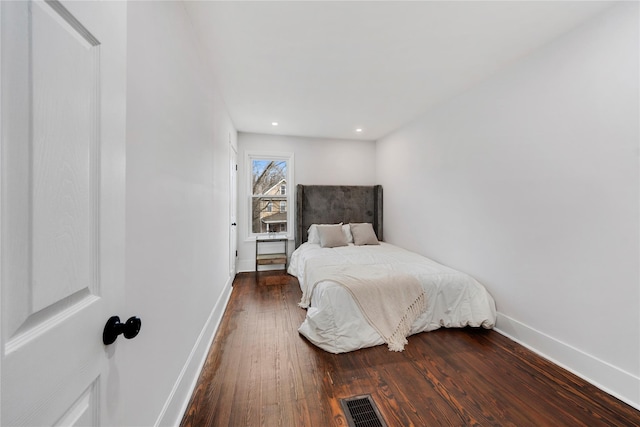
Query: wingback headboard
{"points": [[331, 204]]}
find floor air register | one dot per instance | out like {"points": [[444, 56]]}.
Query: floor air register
{"points": [[361, 411]]}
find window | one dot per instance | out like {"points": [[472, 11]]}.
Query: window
{"points": [[270, 177]]}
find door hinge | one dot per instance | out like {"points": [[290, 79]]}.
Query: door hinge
{"points": [[236, 253], [236, 167]]}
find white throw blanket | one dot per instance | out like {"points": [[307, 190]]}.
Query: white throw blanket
{"points": [[389, 301]]}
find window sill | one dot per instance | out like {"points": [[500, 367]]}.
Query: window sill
{"points": [[265, 237]]}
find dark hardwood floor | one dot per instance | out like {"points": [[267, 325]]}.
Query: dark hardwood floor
{"points": [[261, 372]]}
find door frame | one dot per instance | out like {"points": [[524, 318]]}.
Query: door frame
{"points": [[233, 209]]}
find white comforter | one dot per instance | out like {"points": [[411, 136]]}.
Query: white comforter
{"points": [[334, 322]]}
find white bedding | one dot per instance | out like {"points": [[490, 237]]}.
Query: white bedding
{"points": [[334, 322]]}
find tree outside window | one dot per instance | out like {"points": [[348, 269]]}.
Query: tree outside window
{"points": [[269, 195]]}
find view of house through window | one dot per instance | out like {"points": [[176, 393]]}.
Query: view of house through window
{"points": [[269, 196]]}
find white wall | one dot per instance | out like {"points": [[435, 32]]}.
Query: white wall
{"points": [[177, 210], [318, 161], [529, 182]]}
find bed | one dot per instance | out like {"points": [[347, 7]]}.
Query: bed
{"points": [[331, 269]]}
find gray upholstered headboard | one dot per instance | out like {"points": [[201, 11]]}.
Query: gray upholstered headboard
{"points": [[331, 204]]}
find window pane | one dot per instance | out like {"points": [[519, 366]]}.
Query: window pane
{"points": [[268, 215], [268, 176], [269, 196]]}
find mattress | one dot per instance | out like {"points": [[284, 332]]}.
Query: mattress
{"points": [[334, 322]]}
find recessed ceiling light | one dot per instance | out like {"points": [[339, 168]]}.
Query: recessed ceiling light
{"points": [[359, 130], [274, 123]]}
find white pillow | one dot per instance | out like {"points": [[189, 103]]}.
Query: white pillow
{"points": [[312, 234], [346, 229], [363, 234]]}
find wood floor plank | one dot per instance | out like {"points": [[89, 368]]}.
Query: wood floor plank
{"points": [[261, 372]]}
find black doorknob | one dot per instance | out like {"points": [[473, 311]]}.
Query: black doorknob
{"points": [[113, 328], [234, 224]]}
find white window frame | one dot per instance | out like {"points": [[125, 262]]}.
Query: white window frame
{"points": [[289, 158]]}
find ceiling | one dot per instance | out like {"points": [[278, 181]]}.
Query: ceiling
{"points": [[325, 68]]}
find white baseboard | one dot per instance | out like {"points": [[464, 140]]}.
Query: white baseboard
{"points": [[178, 400], [611, 379]]}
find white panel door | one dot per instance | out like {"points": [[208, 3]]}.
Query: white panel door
{"points": [[233, 207], [63, 92]]}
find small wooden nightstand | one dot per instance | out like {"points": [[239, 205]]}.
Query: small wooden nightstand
{"points": [[272, 258]]}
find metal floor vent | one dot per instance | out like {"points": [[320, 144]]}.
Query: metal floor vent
{"points": [[361, 411]]}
